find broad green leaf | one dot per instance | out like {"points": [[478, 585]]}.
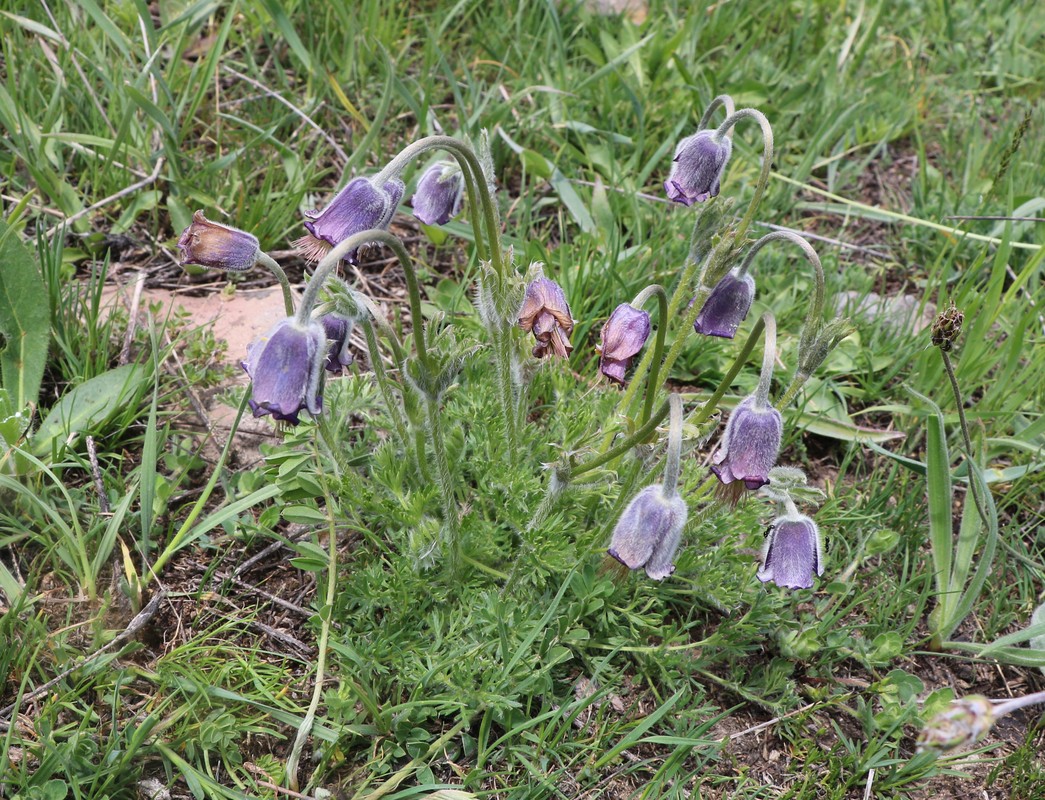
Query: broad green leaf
{"points": [[88, 405], [25, 321]]}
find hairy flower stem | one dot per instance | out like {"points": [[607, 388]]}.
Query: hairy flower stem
{"points": [[767, 160], [653, 382], [765, 377], [444, 479], [507, 387], [488, 248], [664, 366], [814, 313], [673, 461], [981, 506], [270, 264], [384, 385], [723, 100], [329, 264], [475, 183], [325, 614]]}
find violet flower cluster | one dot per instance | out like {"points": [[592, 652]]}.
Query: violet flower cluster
{"points": [[288, 366]]}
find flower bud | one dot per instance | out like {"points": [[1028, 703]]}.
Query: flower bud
{"points": [[337, 329], [793, 552], [622, 337], [360, 206], [965, 721], [750, 444], [285, 367], [546, 314], [697, 168], [439, 194], [211, 244], [648, 532], [727, 306]]}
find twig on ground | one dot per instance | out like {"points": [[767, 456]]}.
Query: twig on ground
{"points": [[126, 190], [132, 628]]}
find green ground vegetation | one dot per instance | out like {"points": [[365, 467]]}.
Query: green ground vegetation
{"points": [[893, 120]]}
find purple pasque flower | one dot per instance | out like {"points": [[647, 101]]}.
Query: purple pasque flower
{"points": [[793, 552], [546, 314], [697, 168], [360, 206], [337, 329], [211, 244], [439, 194], [622, 337], [285, 367], [726, 306], [648, 532], [750, 444]]}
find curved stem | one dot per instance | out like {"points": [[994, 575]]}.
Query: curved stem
{"points": [[715, 105], [444, 479], [383, 384], [673, 462], [816, 308], [700, 417], [325, 615], [653, 383], [767, 159], [333, 258], [270, 264], [765, 378], [470, 166], [639, 436]]}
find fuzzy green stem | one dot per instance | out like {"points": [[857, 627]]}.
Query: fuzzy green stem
{"points": [[330, 262], [444, 479], [814, 313], [474, 180], [653, 383], [664, 366], [636, 438], [767, 159], [506, 383], [321, 658], [395, 409], [270, 264], [715, 105], [673, 462], [765, 377], [1004, 707]]}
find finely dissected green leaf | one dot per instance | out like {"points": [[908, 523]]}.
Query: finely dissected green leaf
{"points": [[88, 405], [25, 321]]}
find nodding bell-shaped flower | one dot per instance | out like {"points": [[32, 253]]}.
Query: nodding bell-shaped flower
{"points": [[439, 194], [697, 169], [793, 552], [727, 306], [546, 314], [649, 530], [285, 367], [750, 444], [622, 337], [211, 244], [360, 206], [337, 330]]}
